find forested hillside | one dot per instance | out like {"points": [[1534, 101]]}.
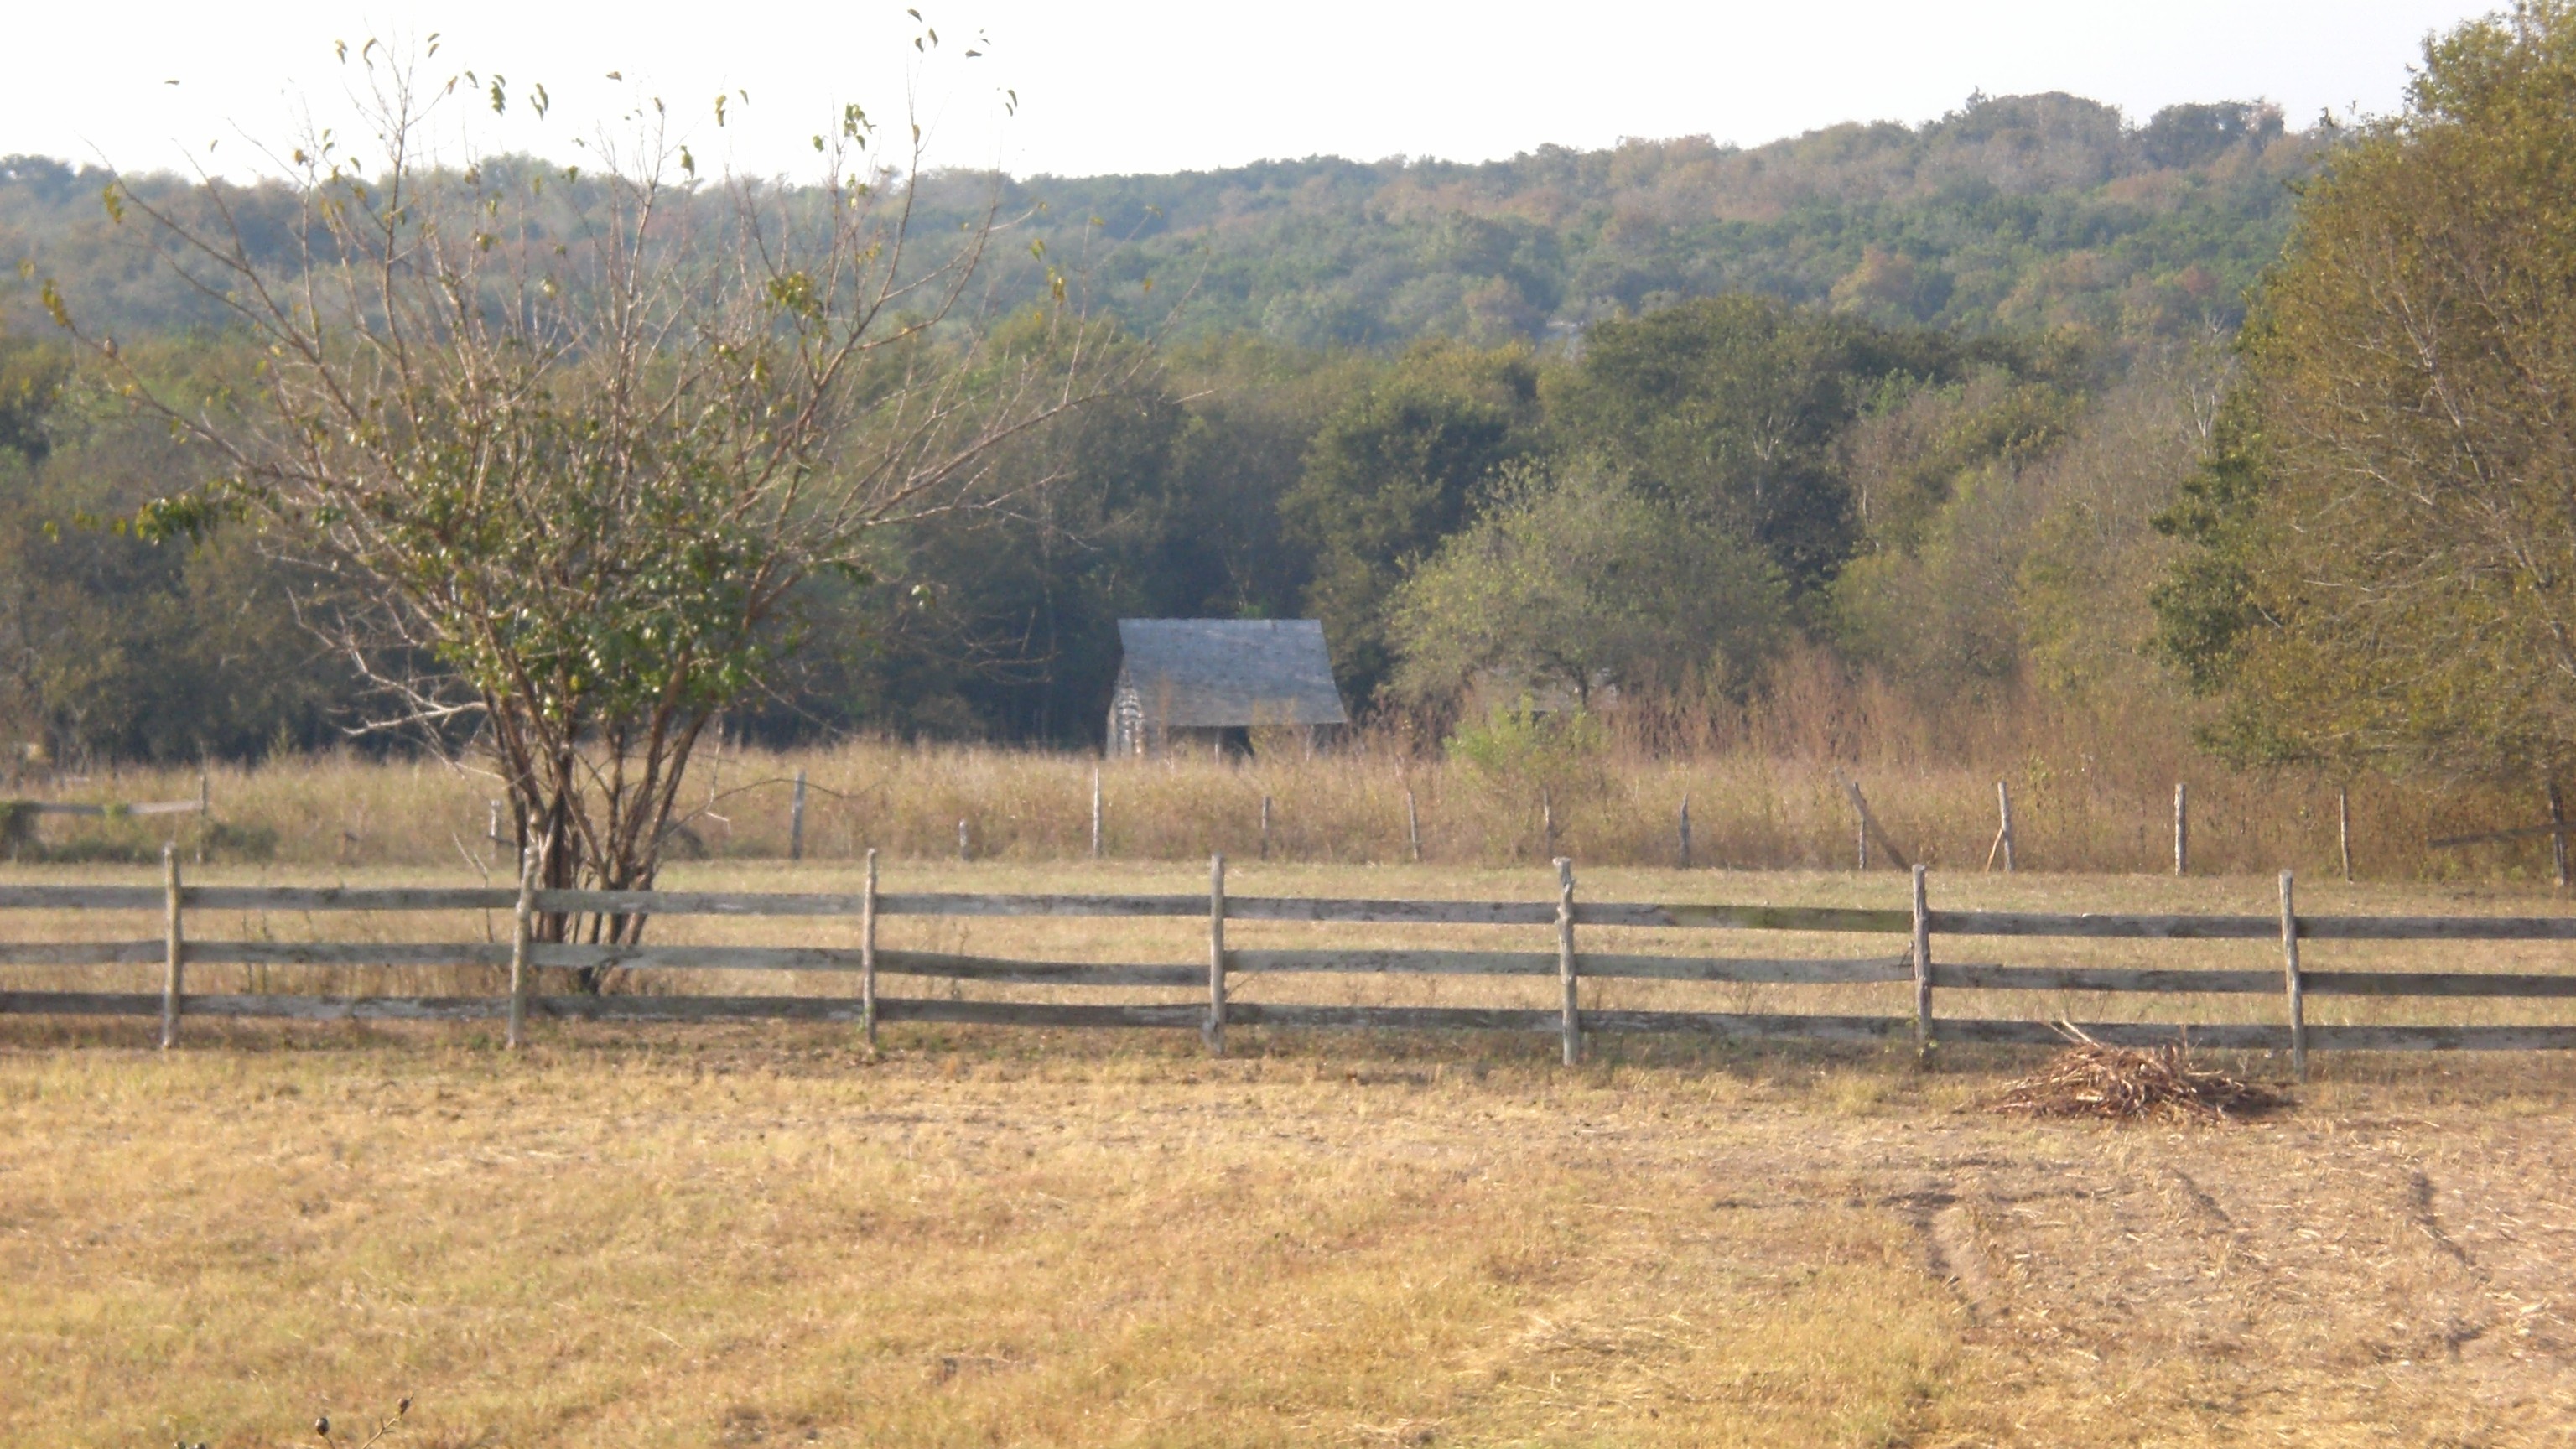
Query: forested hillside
{"points": [[1914, 394], [2027, 212], [2021, 212]]}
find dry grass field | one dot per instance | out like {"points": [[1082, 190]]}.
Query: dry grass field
{"points": [[757, 1238], [2093, 800], [756, 1235]]}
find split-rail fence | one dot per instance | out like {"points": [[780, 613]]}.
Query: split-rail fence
{"points": [[1571, 961]]}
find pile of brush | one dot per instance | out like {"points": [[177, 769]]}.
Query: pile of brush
{"points": [[2131, 1084]]}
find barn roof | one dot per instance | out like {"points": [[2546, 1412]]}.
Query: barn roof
{"points": [[1198, 673]]}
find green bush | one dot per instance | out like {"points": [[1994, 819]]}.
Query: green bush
{"points": [[1520, 746]]}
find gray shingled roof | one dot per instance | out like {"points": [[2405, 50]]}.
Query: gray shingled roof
{"points": [[1197, 673]]}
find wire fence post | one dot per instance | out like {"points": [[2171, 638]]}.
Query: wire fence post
{"points": [[174, 947], [1871, 829], [964, 842], [1571, 1027], [1412, 826], [1686, 840], [2296, 984], [1215, 1032], [1922, 969], [1095, 812], [1547, 818], [2003, 829], [796, 820], [2558, 833], [523, 917], [2343, 829], [868, 956], [1265, 827], [2182, 828]]}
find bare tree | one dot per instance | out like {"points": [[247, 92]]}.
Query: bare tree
{"points": [[572, 437]]}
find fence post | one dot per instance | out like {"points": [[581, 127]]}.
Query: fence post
{"points": [[1412, 826], [1572, 1027], [2343, 829], [2558, 837], [1686, 840], [1922, 969], [1869, 827], [1095, 812], [963, 846], [1547, 818], [1265, 827], [522, 931], [174, 947], [2297, 986], [1215, 1032], [868, 955], [796, 820], [2003, 828], [492, 830], [2182, 828]]}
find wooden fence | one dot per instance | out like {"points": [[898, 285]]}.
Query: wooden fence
{"points": [[1576, 925]]}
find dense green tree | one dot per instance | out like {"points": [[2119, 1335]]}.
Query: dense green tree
{"points": [[31, 385], [115, 647], [2382, 564], [1398, 467], [1945, 516], [1573, 580], [1733, 409]]}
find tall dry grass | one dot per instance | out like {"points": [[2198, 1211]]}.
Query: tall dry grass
{"points": [[2092, 786]]}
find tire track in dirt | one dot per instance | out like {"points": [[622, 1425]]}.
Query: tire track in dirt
{"points": [[1946, 1240]]}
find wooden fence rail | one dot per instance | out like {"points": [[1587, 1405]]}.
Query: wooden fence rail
{"points": [[1915, 962]]}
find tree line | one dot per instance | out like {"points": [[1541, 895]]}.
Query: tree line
{"points": [[1668, 508], [2344, 525]]}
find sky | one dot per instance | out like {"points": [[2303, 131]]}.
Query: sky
{"points": [[1146, 87]]}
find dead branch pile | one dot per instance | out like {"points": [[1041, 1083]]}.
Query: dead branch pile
{"points": [[2131, 1084]]}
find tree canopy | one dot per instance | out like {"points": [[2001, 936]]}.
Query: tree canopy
{"points": [[1573, 580], [2382, 565], [2012, 213]]}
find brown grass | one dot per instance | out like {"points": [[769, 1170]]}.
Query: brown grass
{"points": [[640, 1236], [2092, 786], [757, 1237]]}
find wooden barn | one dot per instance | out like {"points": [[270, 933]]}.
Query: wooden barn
{"points": [[1208, 683]]}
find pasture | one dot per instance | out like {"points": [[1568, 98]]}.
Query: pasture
{"points": [[690, 1235]]}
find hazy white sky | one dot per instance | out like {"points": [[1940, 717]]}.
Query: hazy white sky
{"points": [[1115, 86]]}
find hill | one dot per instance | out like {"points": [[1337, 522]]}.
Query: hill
{"points": [[2013, 213]]}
